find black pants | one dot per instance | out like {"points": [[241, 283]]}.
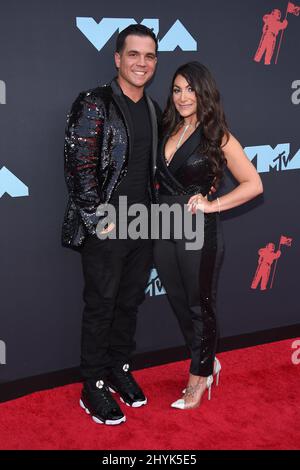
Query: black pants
{"points": [[190, 280], [115, 275]]}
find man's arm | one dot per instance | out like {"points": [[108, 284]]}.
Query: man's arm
{"points": [[83, 141]]}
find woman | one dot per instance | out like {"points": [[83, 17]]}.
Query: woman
{"points": [[195, 150]]}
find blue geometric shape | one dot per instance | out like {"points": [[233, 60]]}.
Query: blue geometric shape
{"points": [[177, 36], [100, 33], [154, 286], [11, 185], [273, 159]]}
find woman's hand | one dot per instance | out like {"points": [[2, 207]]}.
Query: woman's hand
{"points": [[197, 202]]}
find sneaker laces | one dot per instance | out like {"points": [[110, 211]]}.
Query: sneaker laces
{"points": [[126, 379], [104, 399]]}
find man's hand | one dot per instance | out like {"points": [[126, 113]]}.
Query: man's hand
{"points": [[212, 190], [108, 229]]}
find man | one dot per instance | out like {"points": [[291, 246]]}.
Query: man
{"points": [[110, 151]]}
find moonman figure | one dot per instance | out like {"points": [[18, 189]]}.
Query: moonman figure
{"points": [[271, 28], [266, 257]]}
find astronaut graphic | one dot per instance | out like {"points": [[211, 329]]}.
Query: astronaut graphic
{"points": [[272, 26], [267, 256]]}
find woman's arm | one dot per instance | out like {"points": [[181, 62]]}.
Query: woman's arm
{"points": [[250, 184]]}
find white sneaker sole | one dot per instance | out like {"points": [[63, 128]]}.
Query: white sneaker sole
{"points": [[135, 404], [110, 422]]}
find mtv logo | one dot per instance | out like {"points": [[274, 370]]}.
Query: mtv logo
{"points": [[154, 286], [268, 159], [2, 352], [100, 33], [11, 185], [2, 92]]}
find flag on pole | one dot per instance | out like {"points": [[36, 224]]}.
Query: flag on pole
{"points": [[292, 8], [295, 10], [285, 241]]}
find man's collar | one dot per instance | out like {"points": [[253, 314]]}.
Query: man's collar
{"points": [[116, 87]]}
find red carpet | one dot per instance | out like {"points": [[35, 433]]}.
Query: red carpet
{"points": [[256, 406]]}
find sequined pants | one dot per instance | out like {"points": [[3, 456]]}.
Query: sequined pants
{"points": [[190, 280], [115, 277]]}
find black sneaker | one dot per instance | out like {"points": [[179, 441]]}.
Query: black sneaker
{"points": [[97, 401], [120, 380]]}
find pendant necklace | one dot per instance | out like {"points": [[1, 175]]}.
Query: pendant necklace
{"points": [[178, 143]]}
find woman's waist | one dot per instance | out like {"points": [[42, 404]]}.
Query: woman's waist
{"points": [[182, 200]]}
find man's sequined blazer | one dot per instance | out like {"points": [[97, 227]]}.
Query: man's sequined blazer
{"points": [[98, 143]]}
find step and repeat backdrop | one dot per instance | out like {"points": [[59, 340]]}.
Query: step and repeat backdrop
{"points": [[52, 50]]}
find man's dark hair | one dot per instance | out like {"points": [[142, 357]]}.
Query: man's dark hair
{"points": [[137, 30]]}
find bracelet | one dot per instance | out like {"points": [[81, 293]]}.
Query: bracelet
{"points": [[218, 204]]}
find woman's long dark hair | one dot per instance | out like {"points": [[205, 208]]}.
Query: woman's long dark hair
{"points": [[210, 115]]}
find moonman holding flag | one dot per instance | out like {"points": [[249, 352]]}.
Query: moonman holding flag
{"points": [[266, 257], [272, 26]]}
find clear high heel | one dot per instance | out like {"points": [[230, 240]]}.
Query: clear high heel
{"points": [[190, 391], [216, 372]]}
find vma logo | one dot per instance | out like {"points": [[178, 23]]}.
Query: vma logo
{"points": [[2, 92], [154, 286], [100, 33], [11, 185], [2, 352], [266, 159]]}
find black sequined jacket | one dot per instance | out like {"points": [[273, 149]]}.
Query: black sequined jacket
{"points": [[98, 143]]}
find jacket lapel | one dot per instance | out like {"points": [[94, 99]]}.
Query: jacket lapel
{"points": [[185, 150], [119, 99], [153, 120]]}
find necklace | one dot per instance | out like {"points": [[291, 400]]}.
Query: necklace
{"points": [[182, 136], [178, 143]]}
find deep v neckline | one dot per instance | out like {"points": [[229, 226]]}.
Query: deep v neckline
{"points": [[168, 162], [191, 143]]}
